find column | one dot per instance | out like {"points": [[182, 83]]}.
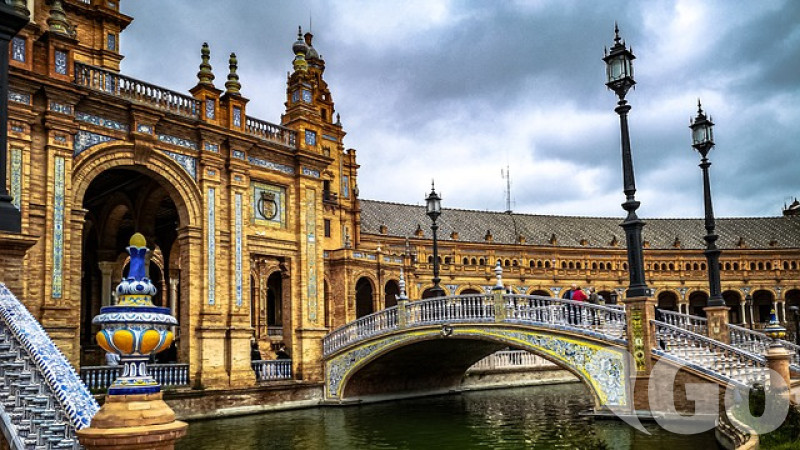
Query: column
{"points": [[174, 282], [106, 268], [783, 312], [744, 315]]}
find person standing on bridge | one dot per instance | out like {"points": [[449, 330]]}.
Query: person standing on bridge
{"points": [[578, 294]]}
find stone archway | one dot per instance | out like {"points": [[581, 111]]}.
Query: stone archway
{"points": [[123, 192], [364, 293], [668, 301]]}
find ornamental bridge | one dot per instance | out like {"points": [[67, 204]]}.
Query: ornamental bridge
{"points": [[426, 346]]}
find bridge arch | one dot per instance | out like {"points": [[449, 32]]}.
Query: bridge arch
{"points": [[434, 359]]}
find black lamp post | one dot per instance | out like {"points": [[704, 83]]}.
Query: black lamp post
{"points": [[619, 71], [703, 141], [434, 210], [748, 301], [10, 24]]}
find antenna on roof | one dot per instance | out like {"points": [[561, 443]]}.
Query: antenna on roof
{"points": [[506, 174]]}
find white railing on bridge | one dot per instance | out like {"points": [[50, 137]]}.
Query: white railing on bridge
{"points": [[511, 359], [101, 377], [601, 320], [695, 324], [42, 400], [726, 361], [273, 370]]}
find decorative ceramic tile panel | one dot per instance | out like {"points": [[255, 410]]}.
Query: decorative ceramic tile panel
{"points": [[180, 142], [60, 62], [111, 42], [329, 137], [310, 172], [237, 205], [17, 128], [237, 116], [60, 138], [142, 128], [19, 97], [211, 147], [18, 47], [269, 205], [238, 154], [101, 121], [211, 105], [58, 227], [16, 176], [212, 247], [85, 139], [60, 107], [188, 163], [271, 165], [311, 138], [345, 186], [311, 253]]}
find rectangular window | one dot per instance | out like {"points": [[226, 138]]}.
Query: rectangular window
{"points": [[327, 223], [237, 116], [18, 46], [345, 186], [61, 62], [111, 43]]}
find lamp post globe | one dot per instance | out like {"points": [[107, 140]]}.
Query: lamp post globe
{"points": [[619, 74], [433, 208], [703, 141]]}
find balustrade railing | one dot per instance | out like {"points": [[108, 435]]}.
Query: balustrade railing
{"points": [[758, 343], [728, 362], [535, 310], [270, 132], [101, 377], [136, 91], [273, 331], [511, 359], [695, 324], [273, 370], [42, 400]]}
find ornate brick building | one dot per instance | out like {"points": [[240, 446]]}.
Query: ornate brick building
{"points": [[257, 228]]}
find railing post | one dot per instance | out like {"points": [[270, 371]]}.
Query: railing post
{"points": [[639, 311], [402, 299], [497, 295], [717, 317]]}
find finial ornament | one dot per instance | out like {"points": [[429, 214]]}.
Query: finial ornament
{"points": [[21, 6], [57, 22], [402, 284], [300, 48], [205, 75], [498, 272], [232, 86], [134, 328]]}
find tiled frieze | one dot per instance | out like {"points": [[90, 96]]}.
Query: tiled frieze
{"points": [[311, 253], [238, 247], [58, 227], [16, 176], [85, 139], [101, 121], [188, 163], [212, 247], [271, 165], [180, 142]]}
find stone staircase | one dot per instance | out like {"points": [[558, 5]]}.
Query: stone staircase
{"points": [[42, 400]]}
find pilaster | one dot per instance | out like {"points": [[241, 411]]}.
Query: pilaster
{"points": [[641, 341], [717, 317]]}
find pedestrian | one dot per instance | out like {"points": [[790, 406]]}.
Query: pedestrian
{"points": [[255, 353], [593, 297], [567, 295], [578, 294], [282, 353]]}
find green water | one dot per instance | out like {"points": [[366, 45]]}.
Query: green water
{"points": [[541, 417]]}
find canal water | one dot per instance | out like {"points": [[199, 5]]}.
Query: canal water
{"points": [[539, 417]]}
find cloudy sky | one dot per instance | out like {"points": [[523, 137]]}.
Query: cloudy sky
{"points": [[458, 90]]}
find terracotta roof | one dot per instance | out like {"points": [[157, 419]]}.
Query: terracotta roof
{"points": [[568, 231]]}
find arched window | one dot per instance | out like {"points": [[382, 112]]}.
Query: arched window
{"points": [[447, 260], [465, 261], [563, 264], [624, 266], [539, 264], [761, 266], [752, 266], [768, 265], [702, 266], [515, 263], [474, 261], [671, 266], [430, 259], [594, 266], [482, 262], [794, 265], [547, 264], [786, 265], [571, 265]]}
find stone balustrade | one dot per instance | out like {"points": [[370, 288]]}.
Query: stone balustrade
{"points": [[101, 377], [511, 359], [112, 83], [695, 324], [270, 132], [273, 370]]}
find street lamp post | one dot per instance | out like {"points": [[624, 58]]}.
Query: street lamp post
{"points": [[434, 210], [796, 315], [619, 71], [703, 141], [10, 24], [748, 300]]}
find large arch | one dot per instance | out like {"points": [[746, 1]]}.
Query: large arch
{"points": [[435, 358], [391, 291], [763, 300], [97, 166], [668, 301], [698, 300], [733, 300]]}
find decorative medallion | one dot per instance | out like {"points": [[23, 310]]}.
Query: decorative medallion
{"points": [[269, 203]]}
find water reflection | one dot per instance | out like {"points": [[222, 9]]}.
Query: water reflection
{"points": [[543, 417]]}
